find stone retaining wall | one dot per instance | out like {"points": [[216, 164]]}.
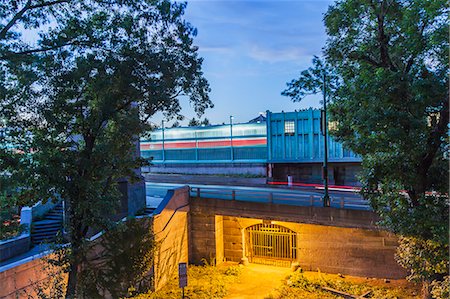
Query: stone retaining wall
{"points": [[217, 232]]}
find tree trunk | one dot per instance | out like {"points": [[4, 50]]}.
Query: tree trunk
{"points": [[75, 237], [72, 281], [426, 290]]}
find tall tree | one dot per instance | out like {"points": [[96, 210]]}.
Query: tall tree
{"points": [[388, 65], [81, 95]]}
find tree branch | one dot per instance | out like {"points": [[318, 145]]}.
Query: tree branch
{"points": [[13, 21], [411, 59], [434, 141], [50, 3], [366, 58], [20, 14], [33, 51]]}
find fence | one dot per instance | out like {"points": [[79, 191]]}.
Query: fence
{"points": [[275, 197]]}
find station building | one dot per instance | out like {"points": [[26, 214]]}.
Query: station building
{"points": [[276, 146]]}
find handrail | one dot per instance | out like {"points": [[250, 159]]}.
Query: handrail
{"points": [[277, 197], [171, 216]]}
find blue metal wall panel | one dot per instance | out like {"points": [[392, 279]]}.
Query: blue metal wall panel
{"points": [[306, 144], [303, 145]]}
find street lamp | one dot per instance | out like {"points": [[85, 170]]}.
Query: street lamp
{"points": [[163, 145], [326, 196], [231, 138]]}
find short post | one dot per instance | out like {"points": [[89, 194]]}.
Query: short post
{"points": [[270, 197], [182, 277], [233, 194], [26, 217], [311, 200], [198, 192], [290, 180], [324, 122], [342, 202]]}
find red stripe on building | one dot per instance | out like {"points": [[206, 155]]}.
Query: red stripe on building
{"points": [[203, 144]]}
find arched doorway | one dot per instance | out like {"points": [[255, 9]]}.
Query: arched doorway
{"points": [[270, 244]]}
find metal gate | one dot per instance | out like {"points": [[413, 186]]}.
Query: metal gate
{"points": [[271, 244]]}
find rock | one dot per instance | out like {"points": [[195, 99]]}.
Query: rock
{"points": [[387, 280]]}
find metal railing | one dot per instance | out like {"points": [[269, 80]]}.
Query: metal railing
{"points": [[275, 197]]}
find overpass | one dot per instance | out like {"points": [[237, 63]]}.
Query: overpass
{"points": [[280, 228]]}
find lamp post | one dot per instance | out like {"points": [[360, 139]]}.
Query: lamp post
{"points": [[231, 138], [163, 150], [326, 196]]}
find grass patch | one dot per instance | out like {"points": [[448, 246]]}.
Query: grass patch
{"points": [[309, 285], [203, 282]]}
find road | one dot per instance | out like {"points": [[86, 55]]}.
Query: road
{"points": [[299, 197]]}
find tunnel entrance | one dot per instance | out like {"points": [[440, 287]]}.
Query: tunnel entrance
{"points": [[271, 244]]}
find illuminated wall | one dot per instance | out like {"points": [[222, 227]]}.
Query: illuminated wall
{"points": [[296, 137], [212, 144], [289, 137]]}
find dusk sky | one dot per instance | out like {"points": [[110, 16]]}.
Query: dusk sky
{"points": [[251, 49]]}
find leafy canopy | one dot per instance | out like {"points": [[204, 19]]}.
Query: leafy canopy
{"points": [[387, 63], [75, 101]]}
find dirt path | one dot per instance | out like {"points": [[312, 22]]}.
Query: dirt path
{"points": [[257, 281]]}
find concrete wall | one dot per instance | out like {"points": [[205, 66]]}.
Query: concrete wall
{"points": [[338, 173], [202, 236], [14, 246], [350, 251], [170, 226], [22, 279], [202, 210], [358, 248], [209, 168]]}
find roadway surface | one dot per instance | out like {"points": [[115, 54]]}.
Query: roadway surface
{"points": [[303, 196]]}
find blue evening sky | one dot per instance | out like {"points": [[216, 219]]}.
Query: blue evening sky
{"points": [[251, 48]]}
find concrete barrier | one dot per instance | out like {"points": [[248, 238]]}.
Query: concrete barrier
{"points": [[170, 226]]}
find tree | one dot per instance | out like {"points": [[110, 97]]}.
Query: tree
{"points": [[84, 95], [387, 62], [205, 122], [194, 122], [176, 124]]}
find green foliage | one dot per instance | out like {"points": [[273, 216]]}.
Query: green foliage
{"points": [[194, 122], [205, 122], [10, 223], [75, 101], [203, 282], [300, 285], [120, 263], [441, 289], [388, 64], [427, 259], [233, 271]]}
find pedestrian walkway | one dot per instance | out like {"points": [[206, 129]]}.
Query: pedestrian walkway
{"points": [[257, 282]]}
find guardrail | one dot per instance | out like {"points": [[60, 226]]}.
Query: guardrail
{"points": [[278, 198]]}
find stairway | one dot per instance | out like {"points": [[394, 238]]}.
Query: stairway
{"points": [[149, 211], [45, 231]]}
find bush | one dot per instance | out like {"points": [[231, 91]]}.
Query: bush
{"points": [[441, 289], [10, 223]]}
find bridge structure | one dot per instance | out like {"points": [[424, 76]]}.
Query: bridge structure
{"points": [[282, 228], [285, 143]]}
